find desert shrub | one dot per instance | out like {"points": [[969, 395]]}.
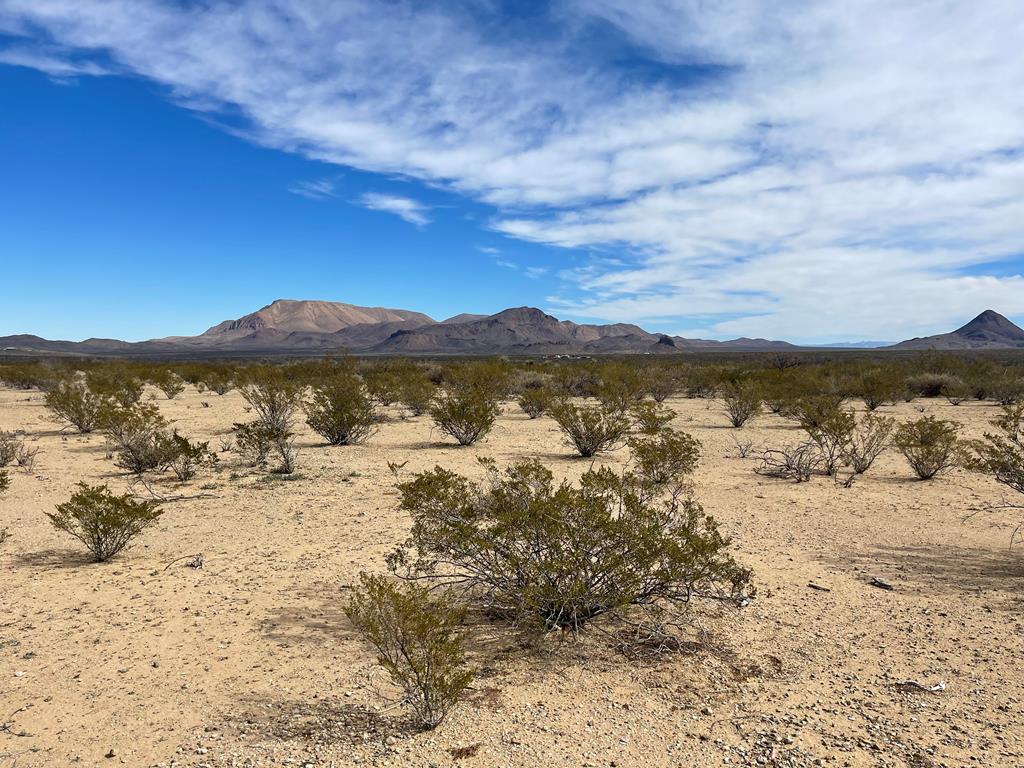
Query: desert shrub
{"points": [[341, 410], [665, 457], [254, 441], [558, 557], [490, 378], [115, 383], [662, 381], [1006, 389], [701, 382], [535, 401], [867, 441], [464, 413], [832, 432], [168, 382], [274, 396], [5, 481], [650, 418], [797, 462], [185, 457], [742, 402], [415, 390], [73, 402], [621, 387], [217, 379], [257, 441], [590, 429], [103, 522], [1002, 455], [139, 437], [930, 445], [383, 383], [879, 386], [579, 380], [27, 375], [9, 448], [956, 391], [811, 411], [415, 635], [931, 384]]}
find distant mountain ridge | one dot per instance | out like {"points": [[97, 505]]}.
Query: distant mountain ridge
{"points": [[989, 330], [289, 326]]}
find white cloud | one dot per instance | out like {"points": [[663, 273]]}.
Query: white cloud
{"points": [[405, 208], [319, 189], [816, 170]]}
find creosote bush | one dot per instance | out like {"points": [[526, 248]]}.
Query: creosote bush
{"points": [[869, 438], [667, 457], [185, 457], [650, 417], [73, 402], [115, 383], [1002, 455], [104, 522], [560, 556], [590, 429], [274, 396], [832, 432], [417, 642], [930, 445], [465, 413], [415, 390], [341, 410], [535, 401], [168, 382], [257, 441], [742, 402]]}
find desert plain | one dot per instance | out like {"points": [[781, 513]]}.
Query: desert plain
{"points": [[251, 661]]}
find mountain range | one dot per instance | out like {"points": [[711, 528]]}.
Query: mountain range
{"points": [[315, 327]]}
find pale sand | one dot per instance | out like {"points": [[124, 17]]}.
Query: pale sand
{"points": [[251, 661]]}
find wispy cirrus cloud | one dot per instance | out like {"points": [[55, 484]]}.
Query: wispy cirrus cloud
{"points": [[405, 208], [318, 189], [814, 170]]}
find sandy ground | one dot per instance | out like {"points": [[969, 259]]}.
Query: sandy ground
{"points": [[251, 661]]}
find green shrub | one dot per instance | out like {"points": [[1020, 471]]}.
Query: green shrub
{"points": [[10, 445], [465, 413], [869, 438], [811, 411], [254, 441], [1007, 389], [257, 440], [880, 386], [74, 403], [168, 382], [275, 396], [742, 402], [662, 381], [667, 457], [217, 379], [139, 437], [5, 481], [415, 390], [558, 557], [621, 387], [341, 410], [832, 433], [956, 391], [1002, 455], [115, 383], [383, 383], [104, 522], [930, 445], [185, 457], [649, 418], [590, 429], [535, 402], [415, 635], [931, 384]]}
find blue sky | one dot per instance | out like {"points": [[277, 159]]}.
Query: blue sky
{"points": [[810, 170]]}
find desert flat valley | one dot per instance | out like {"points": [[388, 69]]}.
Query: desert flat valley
{"points": [[250, 660]]}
